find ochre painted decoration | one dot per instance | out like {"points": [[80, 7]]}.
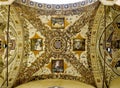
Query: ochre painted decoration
{"points": [[36, 36], [79, 36], [78, 52], [66, 23], [36, 52]]}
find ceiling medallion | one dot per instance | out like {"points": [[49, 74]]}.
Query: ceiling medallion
{"points": [[58, 44]]}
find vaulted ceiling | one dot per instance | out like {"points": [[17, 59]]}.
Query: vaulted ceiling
{"points": [[43, 37]]}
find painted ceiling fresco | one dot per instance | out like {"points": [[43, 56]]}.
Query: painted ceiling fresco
{"points": [[48, 44]]}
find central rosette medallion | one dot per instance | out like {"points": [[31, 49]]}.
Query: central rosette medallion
{"points": [[57, 42]]}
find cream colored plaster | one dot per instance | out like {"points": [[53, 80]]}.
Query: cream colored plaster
{"points": [[55, 82], [115, 83], [1, 81]]}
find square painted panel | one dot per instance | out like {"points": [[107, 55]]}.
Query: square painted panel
{"points": [[58, 22], [36, 44], [57, 66], [78, 44]]}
